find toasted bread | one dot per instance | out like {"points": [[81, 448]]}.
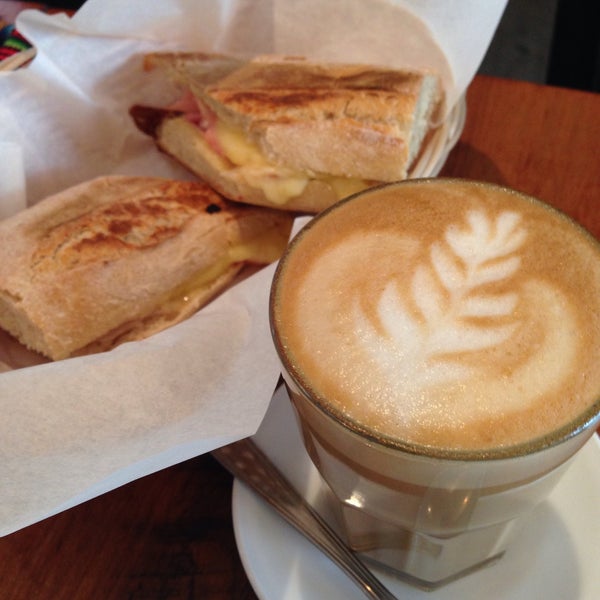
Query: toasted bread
{"points": [[120, 258], [296, 122]]}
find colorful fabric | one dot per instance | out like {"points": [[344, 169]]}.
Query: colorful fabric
{"points": [[12, 42]]}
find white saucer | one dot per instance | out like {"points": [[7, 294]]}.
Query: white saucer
{"points": [[554, 557]]}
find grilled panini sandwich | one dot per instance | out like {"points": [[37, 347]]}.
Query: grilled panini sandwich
{"points": [[286, 132], [120, 258]]}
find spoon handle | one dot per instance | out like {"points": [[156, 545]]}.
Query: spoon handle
{"points": [[245, 461]]}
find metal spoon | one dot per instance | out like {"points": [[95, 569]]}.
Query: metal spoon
{"points": [[245, 461]]}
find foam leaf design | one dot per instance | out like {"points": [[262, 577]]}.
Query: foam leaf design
{"points": [[449, 309], [488, 306], [446, 268]]}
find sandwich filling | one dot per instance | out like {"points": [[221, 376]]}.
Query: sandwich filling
{"points": [[239, 152]]}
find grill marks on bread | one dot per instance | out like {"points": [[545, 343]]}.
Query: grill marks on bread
{"points": [[277, 93], [288, 133], [120, 258], [309, 76], [103, 233]]}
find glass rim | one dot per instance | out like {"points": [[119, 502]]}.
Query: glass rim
{"points": [[583, 421]]}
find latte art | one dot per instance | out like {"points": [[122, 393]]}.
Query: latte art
{"points": [[447, 291], [442, 320], [431, 350]]}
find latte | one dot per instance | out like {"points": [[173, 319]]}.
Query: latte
{"points": [[444, 313]]}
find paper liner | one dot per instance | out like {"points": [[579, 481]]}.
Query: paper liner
{"points": [[77, 428]]}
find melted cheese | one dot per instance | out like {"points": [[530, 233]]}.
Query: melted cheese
{"points": [[266, 248], [279, 184], [237, 147], [263, 249], [202, 280], [345, 186]]}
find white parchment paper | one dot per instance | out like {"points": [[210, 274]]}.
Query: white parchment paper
{"points": [[74, 429]]}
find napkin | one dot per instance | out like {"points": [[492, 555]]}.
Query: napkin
{"points": [[73, 429]]}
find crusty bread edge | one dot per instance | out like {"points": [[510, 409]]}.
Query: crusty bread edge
{"points": [[160, 319]]}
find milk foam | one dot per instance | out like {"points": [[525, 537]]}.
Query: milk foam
{"points": [[445, 289], [452, 335]]}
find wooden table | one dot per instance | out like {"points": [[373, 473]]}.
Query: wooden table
{"points": [[541, 140], [169, 536]]}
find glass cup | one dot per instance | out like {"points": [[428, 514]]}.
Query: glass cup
{"points": [[429, 514]]}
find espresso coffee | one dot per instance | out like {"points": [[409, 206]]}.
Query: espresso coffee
{"points": [[444, 314]]}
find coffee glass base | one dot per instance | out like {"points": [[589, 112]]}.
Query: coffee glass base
{"points": [[427, 520], [422, 560], [428, 586]]}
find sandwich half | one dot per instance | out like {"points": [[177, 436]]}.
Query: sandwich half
{"points": [[119, 258], [286, 132]]}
